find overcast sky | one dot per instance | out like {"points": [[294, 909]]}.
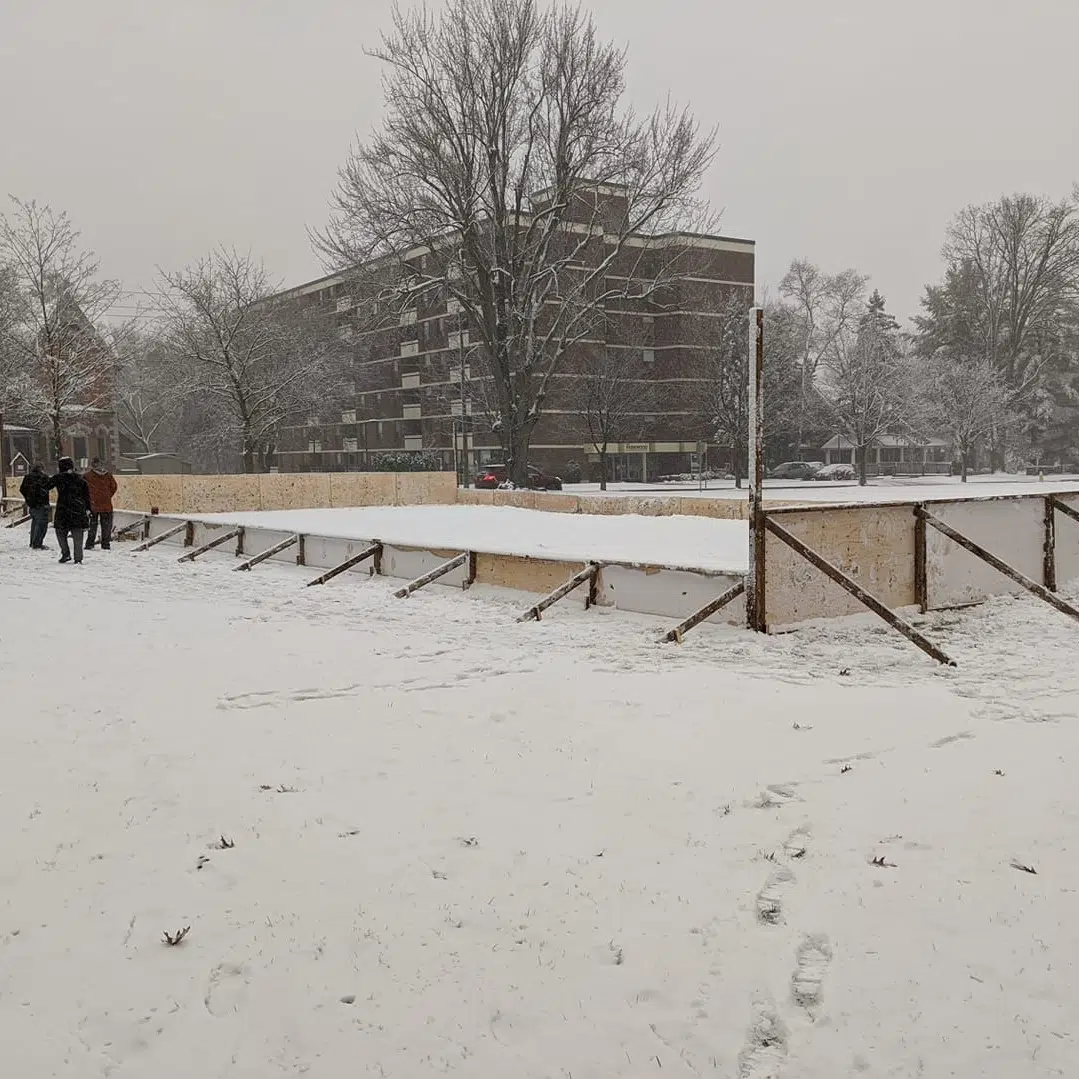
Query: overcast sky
{"points": [[851, 130]]}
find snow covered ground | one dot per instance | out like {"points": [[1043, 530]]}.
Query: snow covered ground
{"points": [[459, 845], [878, 490], [692, 542]]}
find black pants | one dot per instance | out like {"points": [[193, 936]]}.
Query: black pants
{"points": [[105, 520], [76, 534], [39, 525]]}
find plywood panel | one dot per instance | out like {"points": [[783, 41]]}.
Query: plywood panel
{"points": [[294, 490], [1067, 543], [873, 545], [145, 492], [1013, 530], [524, 574], [555, 502], [363, 489], [673, 594], [426, 488], [722, 509], [220, 494]]}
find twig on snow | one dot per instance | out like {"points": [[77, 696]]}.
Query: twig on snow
{"points": [[172, 939]]}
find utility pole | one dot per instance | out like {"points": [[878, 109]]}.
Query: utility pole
{"points": [[465, 402]]}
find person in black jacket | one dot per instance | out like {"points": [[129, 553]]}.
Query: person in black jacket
{"points": [[72, 508], [35, 492]]}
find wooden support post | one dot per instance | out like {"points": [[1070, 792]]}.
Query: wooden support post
{"points": [[374, 551], [269, 553], [233, 533], [756, 593], [133, 527], [705, 612], [921, 575], [433, 575], [1001, 566], [18, 521], [1049, 570], [579, 578], [471, 580], [189, 535], [301, 552], [859, 593], [167, 534]]}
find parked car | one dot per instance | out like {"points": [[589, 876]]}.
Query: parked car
{"points": [[795, 470], [836, 472], [494, 476]]}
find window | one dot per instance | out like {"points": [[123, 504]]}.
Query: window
{"points": [[408, 316], [648, 355], [410, 348], [102, 447], [314, 446], [351, 445], [455, 408], [344, 303], [413, 442], [411, 412], [379, 428], [458, 339], [344, 331], [453, 305], [348, 416], [410, 380], [454, 374], [81, 450]]}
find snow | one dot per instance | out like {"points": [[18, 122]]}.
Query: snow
{"points": [[473, 847], [880, 490], [689, 542]]}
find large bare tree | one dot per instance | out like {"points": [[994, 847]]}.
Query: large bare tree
{"points": [[968, 399], [508, 174], [252, 356], [55, 338], [826, 307], [1011, 295]]}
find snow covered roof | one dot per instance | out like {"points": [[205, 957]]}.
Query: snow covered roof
{"points": [[839, 442]]}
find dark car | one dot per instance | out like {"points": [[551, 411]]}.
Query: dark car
{"points": [[495, 475], [794, 470]]}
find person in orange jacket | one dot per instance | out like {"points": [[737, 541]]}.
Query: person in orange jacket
{"points": [[102, 484]]}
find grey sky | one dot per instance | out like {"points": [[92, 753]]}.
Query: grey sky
{"points": [[851, 130]]}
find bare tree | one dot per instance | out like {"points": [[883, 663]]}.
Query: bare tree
{"points": [[254, 356], [969, 400], [826, 307], [508, 174], [617, 397], [867, 386], [1011, 294], [150, 390], [55, 336]]}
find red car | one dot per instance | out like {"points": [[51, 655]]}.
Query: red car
{"points": [[494, 476]]}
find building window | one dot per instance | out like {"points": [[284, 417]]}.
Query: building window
{"points": [[454, 374], [410, 348], [453, 305], [102, 447], [344, 303], [408, 316], [458, 339], [413, 442], [379, 428], [411, 412], [344, 331], [351, 445], [648, 355], [314, 446], [410, 380], [348, 416]]}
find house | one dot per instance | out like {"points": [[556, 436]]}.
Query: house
{"points": [[412, 383], [894, 455]]}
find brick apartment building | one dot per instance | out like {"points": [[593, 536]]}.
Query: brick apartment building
{"points": [[415, 381]]}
